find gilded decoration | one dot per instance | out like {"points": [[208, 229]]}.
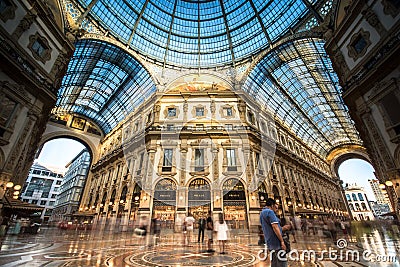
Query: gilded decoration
{"points": [[198, 83]]}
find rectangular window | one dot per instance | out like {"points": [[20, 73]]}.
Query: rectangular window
{"points": [[228, 112], [359, 44], [199, 112], [231, 159], [167, 157], [250, 117], [39, 47], [43, 202], [171, 112], [199, 159], [7, 109], [167, 162]]}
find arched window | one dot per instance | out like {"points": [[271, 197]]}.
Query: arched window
{"points": [[351, 206], [354, 197], [360, 197], [123, 193], [364, 207], [348, 197], [112, 199], [357, 207]]}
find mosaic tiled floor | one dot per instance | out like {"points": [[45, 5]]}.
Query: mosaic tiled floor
{"points": [[54, 247]]}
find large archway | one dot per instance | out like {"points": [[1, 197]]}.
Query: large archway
{"points": [[57, 178]]}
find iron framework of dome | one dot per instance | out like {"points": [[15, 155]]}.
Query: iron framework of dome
{"points": [[294, 77], [197, 34]]}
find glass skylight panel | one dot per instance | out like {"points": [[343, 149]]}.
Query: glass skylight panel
{"points": [[259, 4], [213, 27], [103, 92], [240, 16], [163, 5], [186, 10], [120, 16], [107, 18], [233, 6], [152, 13], [84, 3]]}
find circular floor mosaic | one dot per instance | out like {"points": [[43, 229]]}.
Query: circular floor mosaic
{"points": [[188, 257]]}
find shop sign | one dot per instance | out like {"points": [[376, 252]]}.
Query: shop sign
{"points": [[234, 195], [165, 195], [199, 195]]}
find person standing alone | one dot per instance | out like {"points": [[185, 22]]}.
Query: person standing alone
{"points": [[202, 226], [210, 232], [273, 233]]}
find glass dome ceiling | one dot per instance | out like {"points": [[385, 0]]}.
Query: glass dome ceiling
{"points": [[103, 83], [295, 79], [197, 33], [297, 83]]}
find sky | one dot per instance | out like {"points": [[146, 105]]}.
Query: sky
{"points": [[59, 152], [358, 171]]}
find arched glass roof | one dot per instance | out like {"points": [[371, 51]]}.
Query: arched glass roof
{"points": [[297, 83], [197, 33], [103, 83], [295, 80]]}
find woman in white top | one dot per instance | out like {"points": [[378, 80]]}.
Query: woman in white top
{"points": [[222, 232], [189, 226]]}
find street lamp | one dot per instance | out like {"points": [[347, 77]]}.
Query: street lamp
{"points": [[9, 185], [389, 183]]}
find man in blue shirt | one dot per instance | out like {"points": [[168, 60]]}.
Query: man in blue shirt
{"points": [[273, 233]]}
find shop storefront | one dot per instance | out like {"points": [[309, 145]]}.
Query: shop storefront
{"points": [[235, 208], [164, 204], [262, 195], [199, 198], [135, 201]]}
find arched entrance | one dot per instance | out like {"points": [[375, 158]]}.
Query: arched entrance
{"points": [[56, 181], [199, 198], [278, 199], [235, 208], [135, 201], [165, 202], [262, 194]]}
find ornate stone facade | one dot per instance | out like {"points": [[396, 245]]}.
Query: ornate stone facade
{"points": [[28, 87], [369, 74], [200, 147]]}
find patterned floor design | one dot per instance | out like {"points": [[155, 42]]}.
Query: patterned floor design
{"points": [[54, 247]]}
